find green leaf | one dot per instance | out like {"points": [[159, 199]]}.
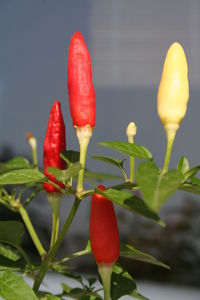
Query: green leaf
{"points": [[70, 156], [11, 232], [81, 294], [191, 172], [64, 175], [92, 281], [129, 201], [183, 165], [18, 161], [115, 162], [100, 176], [21, 177], [126, 186], [133, 150], [64, 270], [14, 164], [52, 297], [108, 160], [9, 265], [138, 296], [190, 188], [66, 288], [195, 181], [157, 187], [90, 298], [13, 287], [123, 284], [131, 252], [9, 253], [83, 252]]}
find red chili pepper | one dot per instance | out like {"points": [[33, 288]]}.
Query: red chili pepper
{"points": [[80, 86], [54, 143], [104, 235]]}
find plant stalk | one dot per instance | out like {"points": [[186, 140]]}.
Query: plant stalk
{"points": [[105, 271], [131, 132], [31, 230], [132, 162], [52, 252], [54, 200], [84, 135], [170, 134], [34, 154]]}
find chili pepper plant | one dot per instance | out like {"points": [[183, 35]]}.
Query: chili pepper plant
{"points": [[63, 174]]}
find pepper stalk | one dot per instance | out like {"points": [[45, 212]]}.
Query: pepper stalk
{"points": [[131, 131], [84, 135], [105, 271], [54, 200]]}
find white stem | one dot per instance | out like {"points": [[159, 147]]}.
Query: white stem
{"points": [[84, 135]]}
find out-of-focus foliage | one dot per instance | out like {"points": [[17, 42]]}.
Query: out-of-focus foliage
{"points": [[178, 244]]}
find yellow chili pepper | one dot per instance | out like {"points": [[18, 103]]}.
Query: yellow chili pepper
{"points": [[173, 92]]}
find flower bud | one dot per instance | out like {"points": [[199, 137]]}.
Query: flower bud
{"points": [[31, 140], [173, 92], [131, 131]]}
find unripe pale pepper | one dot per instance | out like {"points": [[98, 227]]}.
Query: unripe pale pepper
{"points": [[54, 143], [80, 86], [173, 92]]}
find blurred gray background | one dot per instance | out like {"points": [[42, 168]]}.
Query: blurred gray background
{"points": [[128, 41]]}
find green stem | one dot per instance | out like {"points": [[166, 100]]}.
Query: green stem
{"points": [[105, 271], [84, 134], [132, 168], [75, 255], [124, 173], [170, 134], [53, 250], [131, 132], [20, 249], [32, 196], [132, 161], [7, 204], [56, 186], [34, 154], [31, 230], [54, 200], [6, 193]]}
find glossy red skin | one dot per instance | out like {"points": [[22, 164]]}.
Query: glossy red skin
{"points": [[104, 235], [54, 143], [80, 86]]}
